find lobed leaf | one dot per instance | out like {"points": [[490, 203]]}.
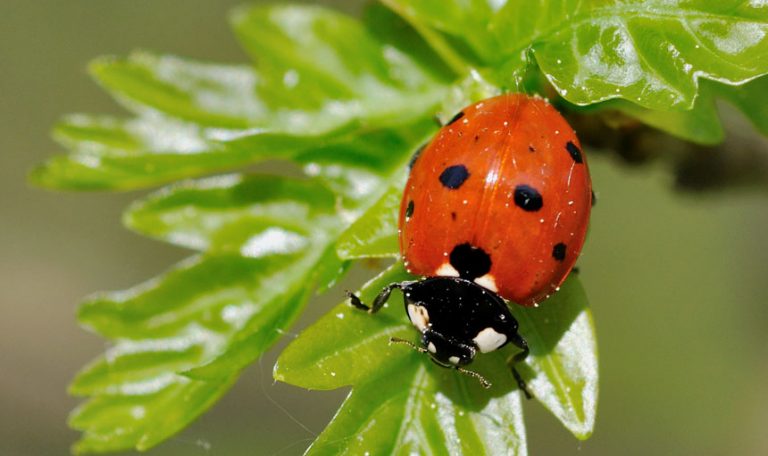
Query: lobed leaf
{"points": [[702, 123], [350, 347], [143, 417], [321, 67], [419, 408], [162, 328], [401, 403], [650, 53], [117, 154]]}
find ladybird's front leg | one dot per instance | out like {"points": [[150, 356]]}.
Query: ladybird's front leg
{"points": [[380, 299], [519, 357]]}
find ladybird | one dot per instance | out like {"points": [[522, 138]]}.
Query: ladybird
{"points": [[496, 208]]}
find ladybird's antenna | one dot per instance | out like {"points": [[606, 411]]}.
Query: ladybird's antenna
{"points": [[485, 383], [397, 340]]}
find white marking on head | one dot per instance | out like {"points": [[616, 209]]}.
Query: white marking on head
{"points": [[489, 340], [431, 347], [454, 360], [487, 281], [419, 316], [446, 270]]}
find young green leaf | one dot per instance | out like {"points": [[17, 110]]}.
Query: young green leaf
{"points": [[749, 98], [144, 416], [595, 50], [185, 319], [374, 234], [350, 347], [118, 154], [420, 408], [333, 57], [346, 346], [401, 403], [701, 124], [251, 215], [198, 118], [562, 366], [606, 51], [204, 93]]}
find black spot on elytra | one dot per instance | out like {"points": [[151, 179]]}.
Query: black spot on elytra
{"points": [[453, 216], [477, 138], [416, 155], [528, 198], [471, 262], [409, 210], [454, 176], [574, 151], [455, 118], [558, 251]]}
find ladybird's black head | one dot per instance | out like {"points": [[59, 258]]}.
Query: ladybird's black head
{"points": [[458, 318], [447, 353]]}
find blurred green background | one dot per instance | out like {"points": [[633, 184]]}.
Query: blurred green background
{"points": [[676, 281]]}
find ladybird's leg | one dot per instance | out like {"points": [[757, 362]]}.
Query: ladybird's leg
{"points": [[518, 341], [355, 301], [379, 301]]}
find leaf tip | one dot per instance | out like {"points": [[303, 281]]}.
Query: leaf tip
{"points": [[39, 176], [99, 65]]}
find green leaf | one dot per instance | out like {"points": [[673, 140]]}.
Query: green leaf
{"points": [[650, 53], [701, 124], [562, 366], [197, 118], [144, 416], [401, 402], [110, 153], [209, 94], [350, 347], [749, 98], [354, 169], [251, 215], [617, 50], [420, 408], [185, 319], [329, 66], [346, 346], [374, 234]]}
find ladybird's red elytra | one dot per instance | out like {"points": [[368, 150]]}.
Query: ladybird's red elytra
{"points": [[496, 207], [508, 177]]}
